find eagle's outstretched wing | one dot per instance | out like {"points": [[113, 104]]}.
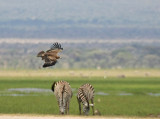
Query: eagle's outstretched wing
{"points": [[50, 55], [55, 48]]}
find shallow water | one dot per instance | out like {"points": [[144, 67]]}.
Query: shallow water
{"points": [[123, 94], [30, 90], [101, 93], [154, 94], [47, 92], [18, 95]]}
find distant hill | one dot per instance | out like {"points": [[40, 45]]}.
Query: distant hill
{"points": [[99, 19]]}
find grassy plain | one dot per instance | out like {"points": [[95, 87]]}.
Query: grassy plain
{"points": [[118, 92]]}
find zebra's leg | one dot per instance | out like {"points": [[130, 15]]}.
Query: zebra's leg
{"points": [[64, 106], [68, 107], [79, 106], [66, 111], [59, 106], [92, 105]]}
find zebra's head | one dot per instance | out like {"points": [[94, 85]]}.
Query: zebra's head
{"points": [[86, 108]]}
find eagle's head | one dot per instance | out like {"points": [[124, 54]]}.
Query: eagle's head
{"points": [[40, 54]]}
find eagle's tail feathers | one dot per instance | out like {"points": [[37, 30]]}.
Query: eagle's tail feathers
{"points": [[47, 64]]}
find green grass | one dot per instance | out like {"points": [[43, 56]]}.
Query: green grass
{"points": [[137, 104]]}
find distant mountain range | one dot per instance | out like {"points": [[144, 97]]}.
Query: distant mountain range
{"points": [[90, 19]]}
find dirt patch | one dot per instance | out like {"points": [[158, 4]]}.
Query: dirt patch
{"points": [[47, 117], [19, 116]]}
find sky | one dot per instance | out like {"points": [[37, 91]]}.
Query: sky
{"points": [[48, 10]]}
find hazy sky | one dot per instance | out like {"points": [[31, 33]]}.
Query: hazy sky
{"points": [[48, 9], [134, 11]]}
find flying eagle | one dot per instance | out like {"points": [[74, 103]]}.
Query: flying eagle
{"points": [[50, 56]]}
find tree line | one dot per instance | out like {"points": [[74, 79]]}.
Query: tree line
{"points": [[82, 55]]}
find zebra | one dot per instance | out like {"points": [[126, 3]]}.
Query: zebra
{"points": [[63, 93], [86, 93]]}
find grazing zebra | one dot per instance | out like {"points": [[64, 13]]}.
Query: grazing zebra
{"points": [[85, 93], [63, 93]]}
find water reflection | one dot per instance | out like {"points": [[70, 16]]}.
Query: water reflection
{"points": [[47, 92], [154, 94], [30, 90]]}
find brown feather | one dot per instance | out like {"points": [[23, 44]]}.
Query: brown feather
{"points": [[54, 51], [50, 56]]}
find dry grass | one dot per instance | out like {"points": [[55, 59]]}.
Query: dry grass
{"points": [[121, 73]]}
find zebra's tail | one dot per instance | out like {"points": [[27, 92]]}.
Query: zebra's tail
{"points": [[63, 90], [52, 88]]}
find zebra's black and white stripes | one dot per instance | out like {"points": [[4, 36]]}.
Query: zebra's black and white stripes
{"points": [[84, 95], [63, 92]]}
